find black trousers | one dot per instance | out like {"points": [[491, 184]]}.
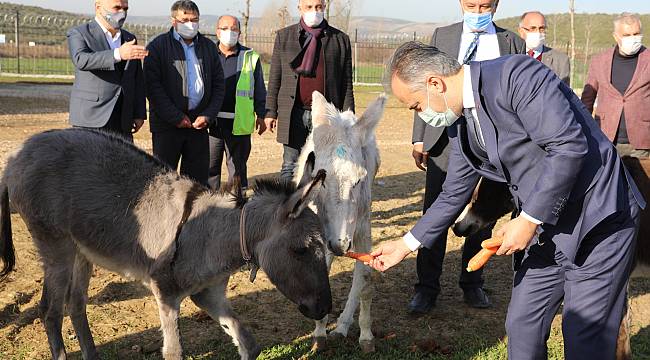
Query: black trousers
{"points": [[187, 146], [237, 149], [300, 128], [429, 261]]}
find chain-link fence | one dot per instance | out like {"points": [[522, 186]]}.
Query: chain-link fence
{"points": [[36, 45]]}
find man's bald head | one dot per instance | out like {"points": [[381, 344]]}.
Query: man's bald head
{"points": [[228, 22]]}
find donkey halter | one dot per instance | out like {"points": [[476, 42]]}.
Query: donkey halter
{"points": [[243, 245]]}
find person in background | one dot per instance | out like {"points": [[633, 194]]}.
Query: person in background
{"points": [[475, 38], [308, 56], [108, 92], [532, 28], [185, 87], [245, 97], [618, 80]]}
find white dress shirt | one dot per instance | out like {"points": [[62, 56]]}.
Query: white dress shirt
{"points": [[487, 49], [468, 103], [114, 42], [488, 44]]}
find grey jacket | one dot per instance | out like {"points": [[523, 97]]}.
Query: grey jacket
{"points": [[558, 62], [447, 39], [166, 82], [99, 81]]}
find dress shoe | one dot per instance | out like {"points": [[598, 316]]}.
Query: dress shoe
{"points": [[421, 303], [476, 298]]}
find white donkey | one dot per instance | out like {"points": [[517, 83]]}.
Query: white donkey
{"points": [[345, 147]]}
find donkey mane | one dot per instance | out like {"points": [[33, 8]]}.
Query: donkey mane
{"points": [[274, 186]]}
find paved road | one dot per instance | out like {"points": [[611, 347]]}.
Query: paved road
{"points": [[41, 91]]}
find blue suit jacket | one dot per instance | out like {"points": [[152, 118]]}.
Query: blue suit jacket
{"points": [[541, 140]]}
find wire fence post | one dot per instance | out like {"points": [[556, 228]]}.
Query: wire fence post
{"points": [[356, 55], [17, 38]]}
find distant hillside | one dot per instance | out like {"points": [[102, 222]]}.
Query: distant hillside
{"points": [[558, 27]]}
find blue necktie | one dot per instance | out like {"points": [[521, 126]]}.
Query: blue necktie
{"points": [[471, 50]]}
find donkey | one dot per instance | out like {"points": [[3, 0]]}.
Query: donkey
{"points": [[346, 148], [91, 198]]}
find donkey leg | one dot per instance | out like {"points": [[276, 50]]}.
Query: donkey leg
{"points": [[168, 310], [77, 300], [366, 338], [55, 285], [347, 316], [623, 348], [320, 332], [213, 301]]}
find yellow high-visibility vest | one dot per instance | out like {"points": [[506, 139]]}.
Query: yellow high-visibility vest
{"points": [[244, 123]]}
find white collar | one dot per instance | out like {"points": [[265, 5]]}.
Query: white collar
{"points": [[491, 29], [106, 32], [468, 91]]}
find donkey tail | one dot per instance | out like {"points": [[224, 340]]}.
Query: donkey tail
{"points": [[6, 242]]}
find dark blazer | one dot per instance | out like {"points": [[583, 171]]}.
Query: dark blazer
{"points": [[166, 85], [283, 81], [447, 39], [541, 141], [99, 81], [558, 62]]}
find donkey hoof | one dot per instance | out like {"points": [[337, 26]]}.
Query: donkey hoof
{"points": [[319, 345], [253, 354], [367, 346], [336, 336]]}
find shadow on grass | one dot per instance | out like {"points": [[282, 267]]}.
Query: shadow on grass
{"points": [[641, 344]]}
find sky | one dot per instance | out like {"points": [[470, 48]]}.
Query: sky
{"points": [[413, 10]]}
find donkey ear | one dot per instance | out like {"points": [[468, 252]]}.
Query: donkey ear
{"points": [[368, 122], [305, 195], [322, 111], [307, 170]]}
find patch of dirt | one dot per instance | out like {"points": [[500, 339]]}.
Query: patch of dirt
{"points": [[123, 315]]}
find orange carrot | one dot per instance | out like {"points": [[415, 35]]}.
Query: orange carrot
{"points": [[495, 242], [479, 260], [366, 258]]}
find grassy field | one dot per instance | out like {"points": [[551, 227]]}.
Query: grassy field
{"points": [[124, 319]]}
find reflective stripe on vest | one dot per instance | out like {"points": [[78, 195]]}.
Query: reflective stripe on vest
{"points": [[244, 123]]}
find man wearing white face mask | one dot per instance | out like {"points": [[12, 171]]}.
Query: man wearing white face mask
{"points": [[476, 38], [108, 93], [308, 56], [245, 97], [532, 28], [185, 87], [623, 92]]}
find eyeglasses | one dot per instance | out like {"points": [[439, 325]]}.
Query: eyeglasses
{"points": [[541, 29], [226, 28]]}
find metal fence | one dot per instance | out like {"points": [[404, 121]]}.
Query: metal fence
{"points": [[36, 45]]}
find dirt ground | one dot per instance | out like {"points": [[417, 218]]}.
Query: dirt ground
{"points": [[124, 318]]}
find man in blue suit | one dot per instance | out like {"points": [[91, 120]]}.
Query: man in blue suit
{"points": [[579, 207]]}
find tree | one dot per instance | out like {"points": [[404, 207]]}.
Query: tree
{"points": [[572, 13], [246, 16]]}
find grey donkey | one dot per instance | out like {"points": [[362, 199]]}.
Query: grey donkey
{"points": [[345, 146], [90, 198]]}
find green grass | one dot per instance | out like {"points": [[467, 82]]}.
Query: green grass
{"points": [[37, 66]]}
